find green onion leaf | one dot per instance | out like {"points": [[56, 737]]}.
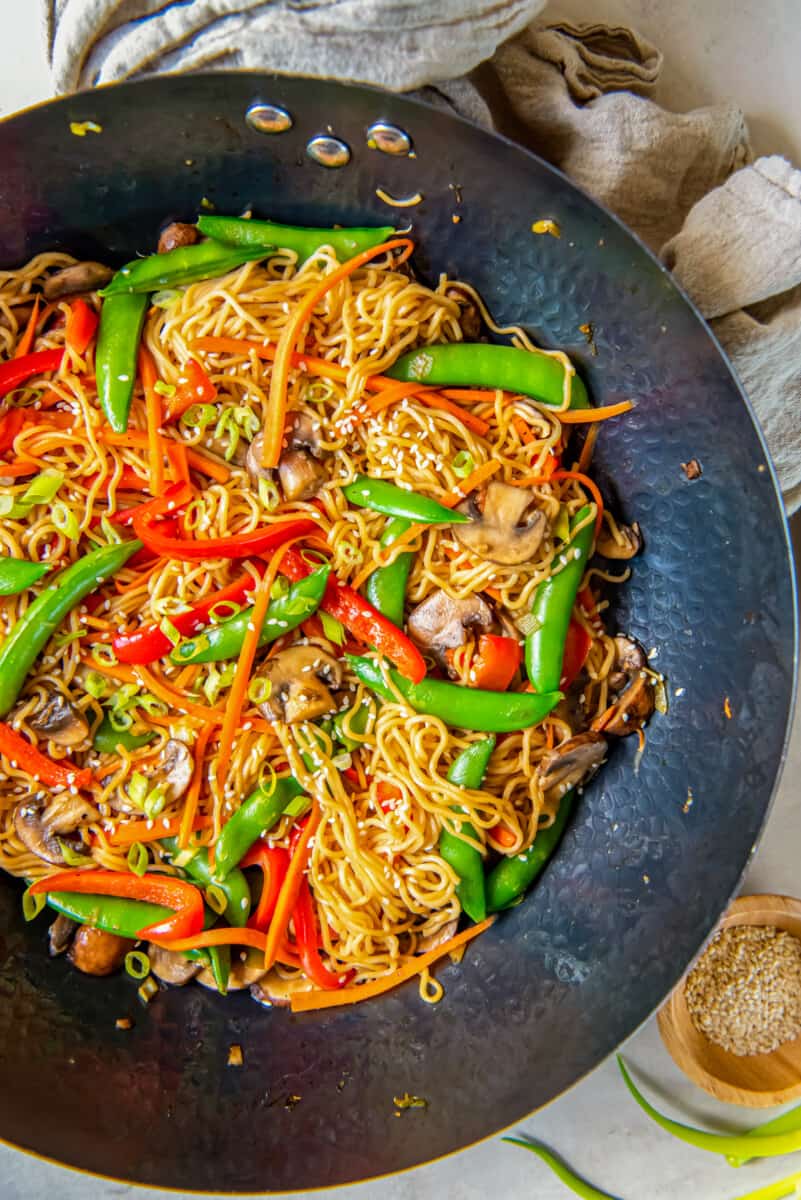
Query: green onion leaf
{"points": [[259, 689], [216, 899], [169, 630], [333, 629], [119, 720], [65, 521], [63, 639], [71, 857], [561, 526], [164, 389], [572, 1181], [138, 858], [199, 416], [223, 610], [165, 298], [269, 495], [462, 464], [267, 785], [41, 491], [96, 685], [147, 990], [103, 654], [155, 801], [137, 964], [32, 905], [297, 806]]}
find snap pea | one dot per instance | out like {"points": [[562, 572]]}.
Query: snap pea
{"points": [[179, 267], [42, 617], [464, 364], [577, 1185], [468, 770], [464, 707], [110, 913], [553, 605], [121, 320], [785, 1123], [386, 587], [195, 864], [107, 738], [225, 640], [218, 959], [17, 574], [238, 231], [357, 721], [255, 816], [512, 876], [384, 497]]}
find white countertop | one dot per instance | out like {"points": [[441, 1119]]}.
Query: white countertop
{"points": [[741, 50]]}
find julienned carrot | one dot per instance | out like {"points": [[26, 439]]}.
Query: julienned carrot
{"points": [[429, 396], [584, 480], [152, 830], [587, 450], [199, 462], [26, 341], [179, 461], [287, 897], [524, 432], [149, 376], [169, 695], [572, 416], [468, 485], [275, 416], [309, 1001], [187, 823], [15, 469], [502, 835], [228, 935]]}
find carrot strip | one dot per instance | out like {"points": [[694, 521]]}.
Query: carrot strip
{"points": [[193, 796], [524, 432], [137, 440], [275, 417], [428, 396], [287, 897], [228, 935], [152, 830], [207, 466], [583, 416], [584, 480], [169, 695], [474, 480], [153, 412], [15, 469], [311, 1001], [139, 578], [179, 461], [588, 448], [26, 341], [502, 835]]}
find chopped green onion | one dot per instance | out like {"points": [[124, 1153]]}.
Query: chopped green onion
{"points": [[169, 630], [268, 786], [71, 857], [103, 654], [343, 760], [216, 899], [462, 464], [333, 629], [207, 204], [259, 689], [96, 684], [561, 526], [137, 964], [216, 680], [269, 495], [119, 720], [164, 389], [110, 532], [155, 801], [32, 905], [65, 521], [223, 610], [572, 1181], [147, 990], [165, 298], [137, 789], [199, 416], [297, 806], [63, 639], [138, 858], [350, 554], [528, 623], [41, 491], [237, 421], [313, 558]]}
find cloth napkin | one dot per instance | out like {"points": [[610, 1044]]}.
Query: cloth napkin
{"points": [[727, 227]]}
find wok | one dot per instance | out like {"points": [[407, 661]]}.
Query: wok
{"points": [[641, 875]]}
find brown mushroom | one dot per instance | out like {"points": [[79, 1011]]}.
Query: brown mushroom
{"points": [[629, 661], [440, 622], [570, 764], [629, 545], [505, 526], [171, 967], [80, 277], [633, 707], [276, 991], [58, 719], [96, 952], [430, 941], [176, 234], [243, 974], [41, 828], [59, 935], [177, 765], [300, 680], [301, 475], [299, 470]]}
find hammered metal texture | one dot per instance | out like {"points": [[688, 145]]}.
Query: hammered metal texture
{"points": [[640, 877]]}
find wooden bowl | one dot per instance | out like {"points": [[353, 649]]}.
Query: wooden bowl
{"points": [[756, 1080]]}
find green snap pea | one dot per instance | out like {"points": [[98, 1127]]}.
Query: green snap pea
{"points": [[786, 1123], [255, 816], [109, 913], [356, 721], [464, 364], [386, 587], [182, 266], [468, 770], [17, 574], [384, 497], [466, 708], [512, 876], [553, 605], [238, 231], [121, 320], [569, 1178], [195, 864], [107, 738], [225, 640], [42, 617]]}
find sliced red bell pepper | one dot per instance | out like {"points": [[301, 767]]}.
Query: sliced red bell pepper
{"points": [[19, 750], [274, 864], [194, 387], [495, 663], [129, 481], [11, 423], [306, 940], [360, 618], [166, 890], [17, 371], [81, 326], [577, 647], [149, 643]]}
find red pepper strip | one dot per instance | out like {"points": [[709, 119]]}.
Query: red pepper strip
{"points": [[577, 647], [495, 663], [19, 751], [360, 618], [11, 423], [149, 643], [274, 863], [81, 326], [166, 890], [17, 371], [194, 387], [240, 545], [128, 481], [306, 941]]}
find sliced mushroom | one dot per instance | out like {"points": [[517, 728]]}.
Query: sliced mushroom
{"points": [[505, 526], [171, 967], [177, 765], [253, 461], [430, 941], [629, 545], [441, 622], [96, 952], [80, 277], [570, 764], [40, 827], [629, 661], [243, 974], [59, 935], [633, 707], [299, 471], [300, 681], [301, 475], [274, 991], [176, 234], [59, 720]]}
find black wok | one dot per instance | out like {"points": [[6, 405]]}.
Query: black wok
{"points": [[641, 875]]}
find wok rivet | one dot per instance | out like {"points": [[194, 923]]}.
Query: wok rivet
{"points": [[268, 118], [328, 151], [389, 139]]}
